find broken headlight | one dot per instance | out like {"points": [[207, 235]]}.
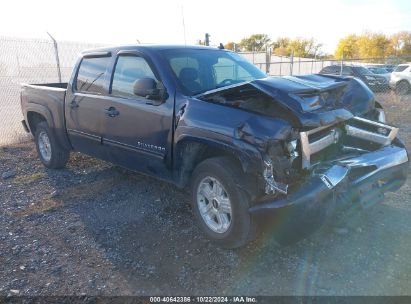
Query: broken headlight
{"points": [[272, 186], [291, 148]]}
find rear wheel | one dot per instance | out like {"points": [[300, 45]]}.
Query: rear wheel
{"points": [[51, 154], [402, 88], [219, 205]]}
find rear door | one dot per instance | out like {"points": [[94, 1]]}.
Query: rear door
{"points": [[139, 132], [85, 104]]}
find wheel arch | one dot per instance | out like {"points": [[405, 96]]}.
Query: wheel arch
{"points": [[404, 81], [36, 114], [191, 151]]}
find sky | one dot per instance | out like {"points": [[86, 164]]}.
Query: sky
{"points": [[185, 21]]}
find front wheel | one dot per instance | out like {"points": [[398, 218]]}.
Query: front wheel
{"points": [[51, 154], [219, 205]]}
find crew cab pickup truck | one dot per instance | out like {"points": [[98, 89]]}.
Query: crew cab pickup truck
{"points": [[251, 149]]}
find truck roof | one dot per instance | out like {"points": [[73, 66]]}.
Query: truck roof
{"points": [[148, 47]]}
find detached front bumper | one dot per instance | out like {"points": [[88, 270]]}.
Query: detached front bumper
{"points": [[360, 180]]}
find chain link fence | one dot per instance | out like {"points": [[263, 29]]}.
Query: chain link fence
{"points": [[284, 66], [29, 61]]}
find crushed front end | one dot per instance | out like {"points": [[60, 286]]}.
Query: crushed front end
{"points": [[330, 168], [323, 144]]}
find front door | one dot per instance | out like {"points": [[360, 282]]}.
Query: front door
{"points": [[138, 131]]}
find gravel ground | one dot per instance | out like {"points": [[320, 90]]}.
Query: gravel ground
{"points": [[96, 229]]}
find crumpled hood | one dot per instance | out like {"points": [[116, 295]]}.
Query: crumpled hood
{"points": [[313, 100]]}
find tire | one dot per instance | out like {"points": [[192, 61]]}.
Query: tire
{"points": [[402, 88], [51, 154], [221, 173]]}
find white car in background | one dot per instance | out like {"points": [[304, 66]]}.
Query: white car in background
{"points": [[400, 80]]}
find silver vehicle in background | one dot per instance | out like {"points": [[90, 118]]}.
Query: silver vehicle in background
{"points": [[380, 71], [400, 80]]}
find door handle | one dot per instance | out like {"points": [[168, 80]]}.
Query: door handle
{"points": [[112, 112], [73, 104]]}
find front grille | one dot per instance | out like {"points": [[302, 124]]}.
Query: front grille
{"points": [[357, 135], [317, 140]]}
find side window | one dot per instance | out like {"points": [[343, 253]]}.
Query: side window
{"points": [[187, 71], [91, 75], [179, 63], [326, 70], [336, 70], [226, 68], [401, 68], [347, 71], [128, 70], [332, 69]]}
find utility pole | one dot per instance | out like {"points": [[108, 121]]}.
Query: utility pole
{"points": [[207, 39]]}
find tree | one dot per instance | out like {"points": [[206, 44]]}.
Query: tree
{"points": [[373, 45], [367, 45], [347, 47], [281, 46], [231, 46], [400, 44], [302, 47], [255, 42]]}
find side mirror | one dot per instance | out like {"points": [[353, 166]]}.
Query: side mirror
{"points": [[150, 89]]}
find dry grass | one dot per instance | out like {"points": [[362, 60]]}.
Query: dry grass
{"points": [[89, 190], [27, 179], [41, 207], [70, 195]]}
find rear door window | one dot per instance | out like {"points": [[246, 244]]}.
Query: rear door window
{"points": [[91, 75]]}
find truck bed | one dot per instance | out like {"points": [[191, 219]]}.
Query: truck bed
{"points": [[48, 100]]}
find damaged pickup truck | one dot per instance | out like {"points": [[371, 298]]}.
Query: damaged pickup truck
{"points": [[285, 150]]}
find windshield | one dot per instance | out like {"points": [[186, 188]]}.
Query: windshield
{"points": [[201, 70]]}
